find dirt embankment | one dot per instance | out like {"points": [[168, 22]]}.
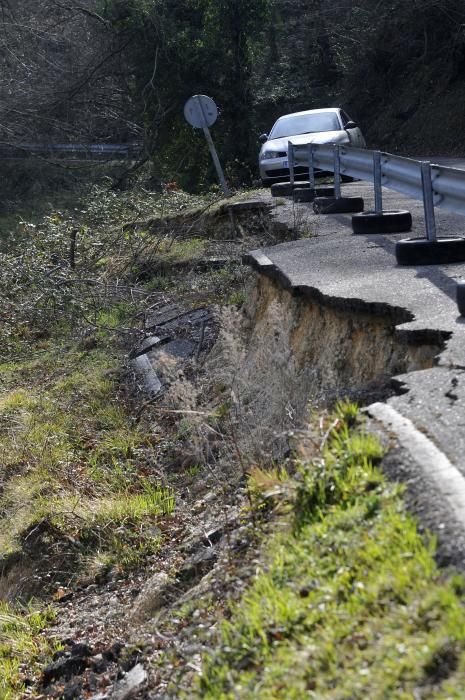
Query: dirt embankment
{"points": [[140, 614]]}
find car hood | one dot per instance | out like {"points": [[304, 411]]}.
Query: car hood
{"points": [[339, 136]]}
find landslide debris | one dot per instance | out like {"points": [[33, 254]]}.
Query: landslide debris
{"points": [[173, 545], [101, 485]]}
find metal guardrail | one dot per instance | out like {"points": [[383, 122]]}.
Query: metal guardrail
{"points": [[90, 150], [436, 185]]}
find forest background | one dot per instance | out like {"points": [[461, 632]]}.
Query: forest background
{"points": [[120, 71]]}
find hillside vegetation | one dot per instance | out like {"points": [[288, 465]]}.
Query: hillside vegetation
{"points": [[166, 534], [189, 535], [121, 70]]}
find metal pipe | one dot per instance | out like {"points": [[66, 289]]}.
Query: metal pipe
{"points": [[337, 172], [377, 177], [428, 203], [290, 158], [311, 166]]}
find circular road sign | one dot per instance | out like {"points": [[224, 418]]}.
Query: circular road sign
{"points": [[200, 111]]}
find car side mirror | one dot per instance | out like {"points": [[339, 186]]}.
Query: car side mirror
{"points": [[351, 125], [263, 138]]}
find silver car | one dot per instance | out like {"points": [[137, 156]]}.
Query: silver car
{"points": [[330, 125]]}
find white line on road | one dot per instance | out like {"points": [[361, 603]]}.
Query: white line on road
{"points": [[429, 459]]}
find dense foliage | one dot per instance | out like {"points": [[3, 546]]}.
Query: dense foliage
{"points": [[121, 70], [396, 67]]}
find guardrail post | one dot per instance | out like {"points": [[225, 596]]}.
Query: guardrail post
{"points": [[290, 157], [378, 182], [311, 167], [428, 202], [337, 172]]}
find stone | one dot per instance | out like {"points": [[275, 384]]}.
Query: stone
{"points": [[213, 536], [81, 649], [113, 652], [98, 664], [134, 678], [72, 691], [151, 598], [198, 564], [63, 669]]}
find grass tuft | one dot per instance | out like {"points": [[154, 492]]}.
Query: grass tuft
{"points": [[21, 643], [73, 459], [349, 602]]}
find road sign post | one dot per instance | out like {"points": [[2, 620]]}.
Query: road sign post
{"points": [[201, 112]]}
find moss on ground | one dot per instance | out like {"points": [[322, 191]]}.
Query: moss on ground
{"points": [[349, 602]]}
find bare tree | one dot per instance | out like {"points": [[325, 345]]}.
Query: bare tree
{"points": [[61, 76]]}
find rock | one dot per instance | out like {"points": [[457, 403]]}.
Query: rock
{"points": [[81, 649], [63, 669], [213, 536], [134, 678], [98, 664], [199, 590], [113, 652], [72, 691], [198, 564], [151, 598], [68, 664]]}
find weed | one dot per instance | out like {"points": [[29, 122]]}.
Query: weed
{"points": [[178, 251], [20, 643], [349, 601], [193, 470], [347, 411], [113, 316], [302, 222], [72, 455], [122, 529], [236, 299], [158, 283]]}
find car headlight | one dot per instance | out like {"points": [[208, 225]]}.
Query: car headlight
{"points": [[267, 155]]}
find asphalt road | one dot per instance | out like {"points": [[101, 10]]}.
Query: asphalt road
{"points": [[449, 162], [363, 269], [361, 273]]}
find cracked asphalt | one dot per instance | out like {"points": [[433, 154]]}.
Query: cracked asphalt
{"points": [[360, 273]]}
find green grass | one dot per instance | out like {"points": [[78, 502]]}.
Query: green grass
{"points": [[21, 643], [349, 602], [73, 457], [76, 485], [183, 251]]}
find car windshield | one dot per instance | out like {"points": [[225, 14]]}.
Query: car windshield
{"points": [[305, 124]]}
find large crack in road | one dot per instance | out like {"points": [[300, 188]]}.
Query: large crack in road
{"points": [[356, 278]]}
